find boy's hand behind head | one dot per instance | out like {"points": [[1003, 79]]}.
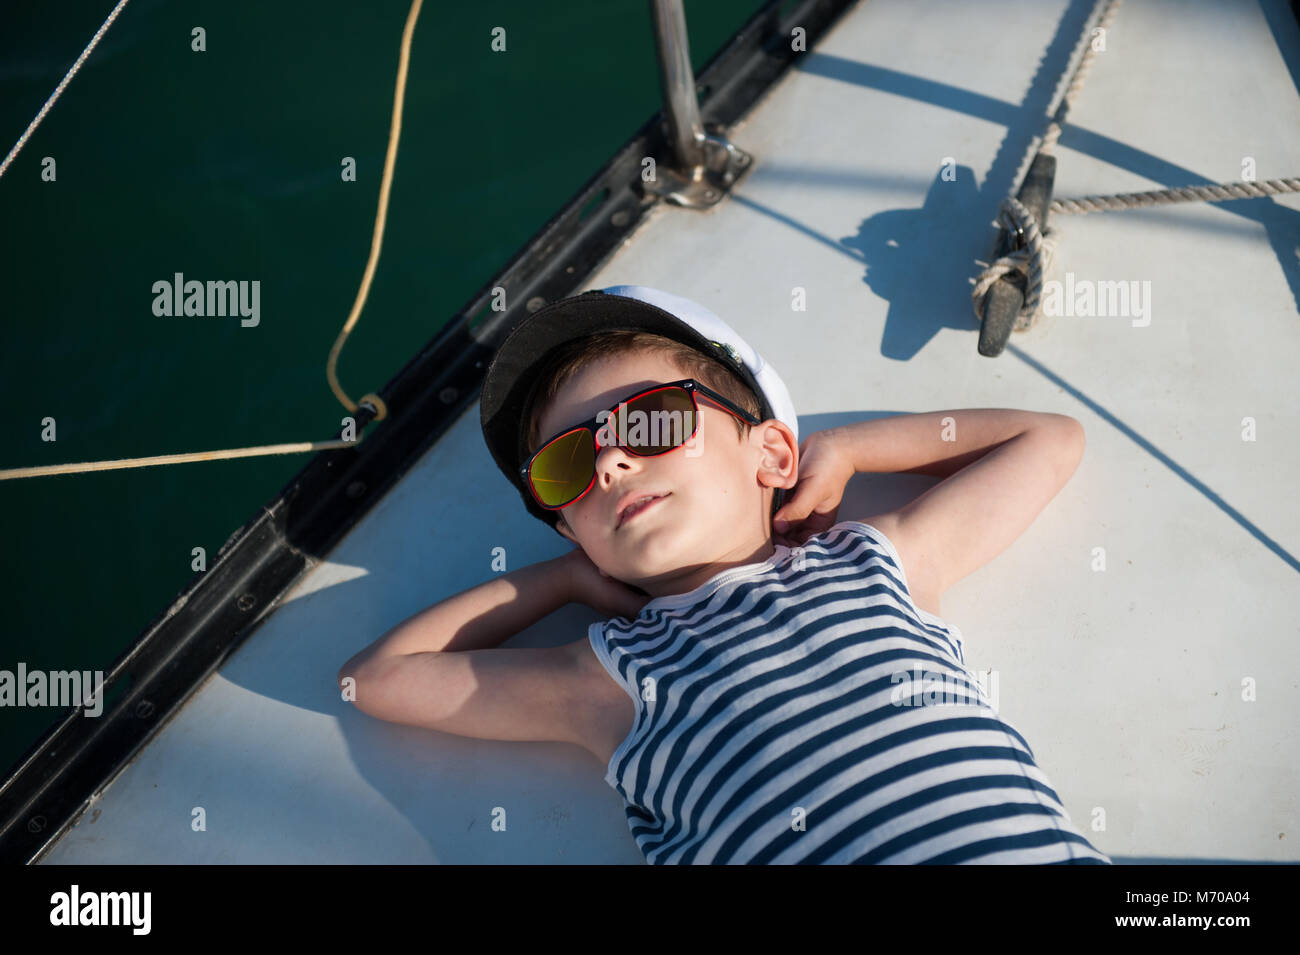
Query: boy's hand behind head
{"points": [[824, 472], [591, 586]]}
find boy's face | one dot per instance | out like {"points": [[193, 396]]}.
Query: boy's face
{"points": [[717, 492]]}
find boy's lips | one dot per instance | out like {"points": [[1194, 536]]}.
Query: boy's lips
{"points": [[628, 507]]}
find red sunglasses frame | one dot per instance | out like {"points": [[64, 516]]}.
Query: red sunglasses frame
{"points": [[595, 425]]}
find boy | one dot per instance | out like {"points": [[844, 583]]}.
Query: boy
{"points": [[753, 699]]}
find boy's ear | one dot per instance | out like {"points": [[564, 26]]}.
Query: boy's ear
{"points": [[780, 455]]}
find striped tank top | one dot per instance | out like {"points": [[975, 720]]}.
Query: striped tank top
{"points": [[805, 710]]}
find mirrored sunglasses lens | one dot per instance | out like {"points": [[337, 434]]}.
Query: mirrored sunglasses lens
{"points": [[563, 469], [657, 422]]}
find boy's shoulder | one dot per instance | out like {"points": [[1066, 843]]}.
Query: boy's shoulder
{"points": [[924, 590], [888, 531]]}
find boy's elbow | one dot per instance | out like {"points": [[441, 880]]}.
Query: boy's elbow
{"points": [[1078, 436], [1074, 442], [1064, 422], [1077, 425], [356, 685], [349, 671]]}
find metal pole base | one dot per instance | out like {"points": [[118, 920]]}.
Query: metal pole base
{"points": [[704, 185]]}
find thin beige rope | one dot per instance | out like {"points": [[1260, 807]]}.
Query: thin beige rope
{"points": [[373, 400], [31, 127], [175, 458], [394, 132]]}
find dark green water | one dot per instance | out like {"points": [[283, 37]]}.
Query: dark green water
{"points": [[225, 165]]}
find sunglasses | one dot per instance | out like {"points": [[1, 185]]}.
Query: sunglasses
{"points": [[659, 419]]}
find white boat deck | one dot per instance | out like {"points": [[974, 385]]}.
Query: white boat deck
{"points": [[1159, 695]]}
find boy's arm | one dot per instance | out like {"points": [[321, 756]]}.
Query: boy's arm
{"points": [[534, 694], [481, 617], [1000, 467], [441, 668]]}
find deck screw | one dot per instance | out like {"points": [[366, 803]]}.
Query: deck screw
{"points": [[36, 824], [356, 489], [245, 602], [710, 193], [144, 709], [619, 219], [535, 303], [448, 395]]}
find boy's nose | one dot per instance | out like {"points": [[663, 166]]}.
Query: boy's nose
{"points": [[613, 456]]}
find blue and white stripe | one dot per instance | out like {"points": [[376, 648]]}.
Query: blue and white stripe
{"points": [[785, 720]]}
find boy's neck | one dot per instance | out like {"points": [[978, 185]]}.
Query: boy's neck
{"points": [[673, 585]]}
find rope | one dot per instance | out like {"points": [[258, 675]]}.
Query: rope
{"points": [[1053, 132], [1034, 257], [1225, 192], [31, 128], [174, 459], [1032, 261], [372, 400], [394, 131]]}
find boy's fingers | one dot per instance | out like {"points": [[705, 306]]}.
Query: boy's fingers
{"points": [[796, 510], [785, 520], [788, 515]]}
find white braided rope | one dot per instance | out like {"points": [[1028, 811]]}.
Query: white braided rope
{"points": [[1034, 257], [1028, 260], [31, 128], [1031, 260], [1053, 132], [1136, 200]]}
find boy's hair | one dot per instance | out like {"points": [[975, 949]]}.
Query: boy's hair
{"points": [[569, 358]]}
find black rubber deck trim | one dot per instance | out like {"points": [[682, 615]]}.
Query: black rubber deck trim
{"points": [[47, 790]]}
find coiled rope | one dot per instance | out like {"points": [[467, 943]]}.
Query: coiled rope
{"points": [[1035, 256], [373, 401]]}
